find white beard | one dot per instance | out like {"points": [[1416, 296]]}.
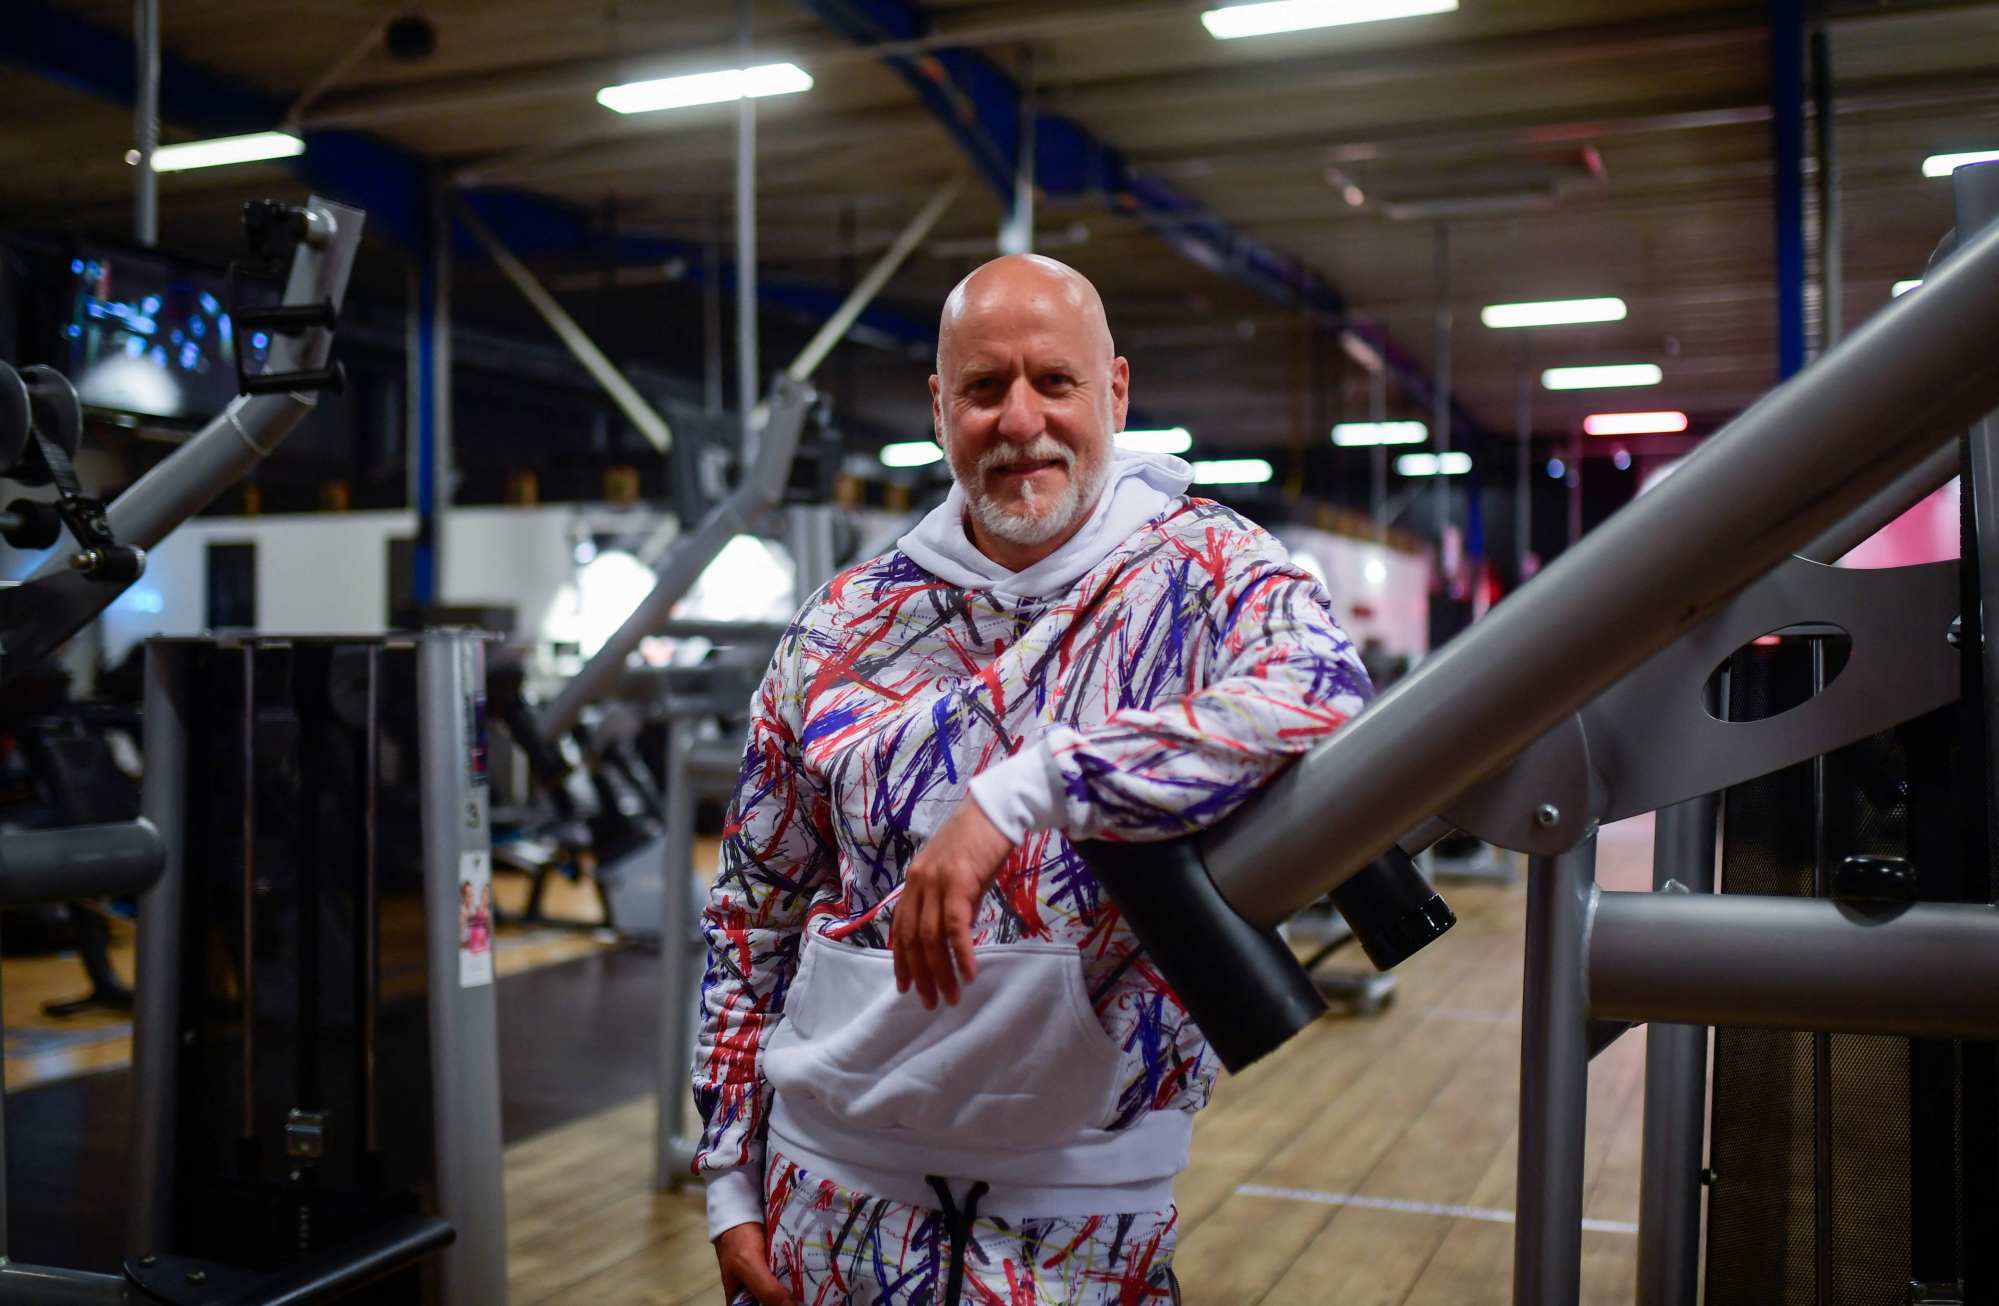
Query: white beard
{"points": [[1035, 518]]}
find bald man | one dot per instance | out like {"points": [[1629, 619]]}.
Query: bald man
{"points": [[934, 1065]]}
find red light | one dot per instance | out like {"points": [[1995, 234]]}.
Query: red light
{"points": [[1634, 423], [1768, 641]]}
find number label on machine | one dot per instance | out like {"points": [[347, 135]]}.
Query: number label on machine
{"points": [[475, 919]]}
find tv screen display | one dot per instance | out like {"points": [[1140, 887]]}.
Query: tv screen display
{"points": [[152, 338]]}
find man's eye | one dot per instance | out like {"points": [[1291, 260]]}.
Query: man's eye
{"points": [[1059, 380]]}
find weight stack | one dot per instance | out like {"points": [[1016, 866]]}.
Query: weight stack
{"points": [[1837, 1173], [316, 1056]]}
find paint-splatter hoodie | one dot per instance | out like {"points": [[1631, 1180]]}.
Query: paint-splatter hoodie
{"points": [[1138, 684]]}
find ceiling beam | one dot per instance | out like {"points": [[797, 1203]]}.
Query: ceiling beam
{"points": [[1317, 72], [393, 184], [980, 105]]}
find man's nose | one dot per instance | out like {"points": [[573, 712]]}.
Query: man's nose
{"points": [[1020, 415]]}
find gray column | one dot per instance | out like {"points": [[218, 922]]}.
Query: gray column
{"points": [[680, 964], [1669, 1190], [1523, 467], [464, 1027], [1377, 459], [1440, 408], [1554, 1080], [1832, 273], [156, 990], [1016, 233], [749, 381], [146, 123]]}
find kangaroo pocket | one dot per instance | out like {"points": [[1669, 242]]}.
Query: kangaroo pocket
{"points": [[1019, 1062]]}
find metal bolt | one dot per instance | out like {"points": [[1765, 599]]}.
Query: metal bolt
{"points": [[1709, 1177], [197, 1276], [89, 560], [1546, 815]]}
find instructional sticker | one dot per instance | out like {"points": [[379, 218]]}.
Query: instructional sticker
{"points": [[475, 919]]}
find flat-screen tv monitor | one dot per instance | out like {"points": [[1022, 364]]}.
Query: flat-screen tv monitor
{"points": [[148, 337]]}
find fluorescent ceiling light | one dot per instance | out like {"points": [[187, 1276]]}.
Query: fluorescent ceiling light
{"points": [[1904, 287], [1173, 439], [1634, 423], [911, 453], [1455, 462], [1349, 435], [1942, 165], [1553, 312], [1231, 21], [223, 149], [706, 88], [1602, 378], [1232, 471]]}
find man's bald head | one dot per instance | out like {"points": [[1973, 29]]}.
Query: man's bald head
{"points": [[1010, 282], [1028, 394]]}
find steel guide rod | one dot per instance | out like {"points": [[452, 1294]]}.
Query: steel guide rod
{"points": [[1669, 1189], [1554, 1080], [1781, 474]]}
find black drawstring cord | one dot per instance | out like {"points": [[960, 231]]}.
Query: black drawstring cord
{"points": [[958, 1224]]}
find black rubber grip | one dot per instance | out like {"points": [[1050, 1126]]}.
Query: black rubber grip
{"points": [[1242, 985]]}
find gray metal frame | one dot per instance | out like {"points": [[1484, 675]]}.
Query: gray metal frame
{"points": [[1582, 699], [465, 1071], [464, 1021], [695, 769], [761, 491], [1806, 456]]}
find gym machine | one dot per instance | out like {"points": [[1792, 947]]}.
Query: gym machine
{"points": [[1530, 741], [313, 826], [632, 847]]}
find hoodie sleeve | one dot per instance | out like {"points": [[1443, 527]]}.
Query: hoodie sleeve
{"points": [[774, 853], [1275, 676]]}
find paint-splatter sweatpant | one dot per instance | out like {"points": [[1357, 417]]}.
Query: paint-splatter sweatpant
{"points": [[832, 1246]]}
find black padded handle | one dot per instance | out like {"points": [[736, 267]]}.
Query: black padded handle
{"points": [[1242, 985]]}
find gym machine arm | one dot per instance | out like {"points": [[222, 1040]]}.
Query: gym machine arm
{"points": [[1810, 454], [759, 494], [61, 597]]}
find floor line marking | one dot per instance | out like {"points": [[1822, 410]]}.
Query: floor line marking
{"points": [[1490, 1215]]}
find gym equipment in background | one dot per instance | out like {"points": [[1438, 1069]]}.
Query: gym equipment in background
{"points": [[316, 1053], [312, 814], [1531, 741]]}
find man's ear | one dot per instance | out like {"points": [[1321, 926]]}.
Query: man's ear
{"points": [[937, 410], [1120, 391]]}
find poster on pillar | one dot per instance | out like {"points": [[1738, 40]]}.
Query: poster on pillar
{"points": [[475, 919]]}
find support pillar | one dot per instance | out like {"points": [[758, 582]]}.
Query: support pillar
{"points": [[1669, 1188], [1554, 1080], [748, 376], [1787, 129], [146, 123]]}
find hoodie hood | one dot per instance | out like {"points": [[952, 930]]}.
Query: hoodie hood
{"points": [[1139, 488]]}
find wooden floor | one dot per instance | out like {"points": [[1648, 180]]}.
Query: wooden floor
{"points": [[1368, 1163]]}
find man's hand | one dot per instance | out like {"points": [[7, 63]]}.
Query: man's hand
{"points": [[932, 926], [745, 1261]]}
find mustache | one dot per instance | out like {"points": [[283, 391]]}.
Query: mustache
{"points": [[1041, 448]]}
